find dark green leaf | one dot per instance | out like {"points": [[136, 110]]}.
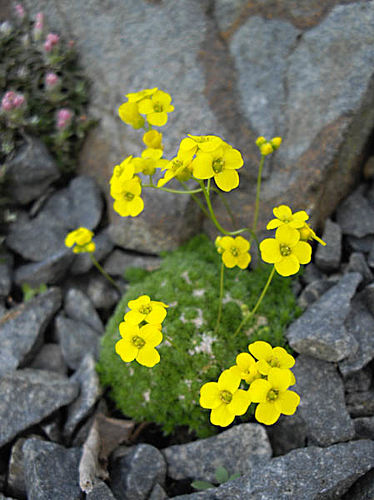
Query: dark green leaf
{"points": [[201, 485]]}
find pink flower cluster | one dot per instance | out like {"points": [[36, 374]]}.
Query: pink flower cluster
{"points": [[51, 80], [51, 41], [64, 117], [20, 11], [39, 25], [12, 100]]}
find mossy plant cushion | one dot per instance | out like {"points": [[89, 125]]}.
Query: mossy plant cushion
{"points": [[188, 280]]}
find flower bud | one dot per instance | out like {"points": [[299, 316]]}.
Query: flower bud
{"points": [[51, 81], [20, 11], [266, 149], [260, 141], [39, 26], [276, 142], [64, 117]]}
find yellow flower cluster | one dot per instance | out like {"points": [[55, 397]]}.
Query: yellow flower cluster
{"points": [[267, 147], [81, 240], [234, 251], [153, 103], [289, 248], [268, 378], [141, 331]]}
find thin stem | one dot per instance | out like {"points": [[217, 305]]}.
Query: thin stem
{"points": [[220, 297], [104, 273], [226, 205], [251, 313], [197, 201], [258, 189], [176, 191]]}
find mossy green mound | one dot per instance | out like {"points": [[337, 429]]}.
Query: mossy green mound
{"points": [[188, 280]]}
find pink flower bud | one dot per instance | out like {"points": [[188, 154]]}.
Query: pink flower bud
{"points": [[11, 100], [51, 40], [20, 11], [51, 80], [39, 19], [64, 117], [47, 46], [18, 100]]}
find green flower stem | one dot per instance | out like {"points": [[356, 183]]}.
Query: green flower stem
{"points": [[176, 191], [226, 205], [220, 297], [253, 312], [258, 189], [104, 273], [197, 201]]}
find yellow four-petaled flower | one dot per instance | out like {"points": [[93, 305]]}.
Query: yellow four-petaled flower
{"points": [[81, 240]]}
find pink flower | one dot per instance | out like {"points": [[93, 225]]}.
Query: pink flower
{"points": [[64, 117], [39, 26], [51, 80], [20, 11], [18, 100], [51, 41], [11, 100]]}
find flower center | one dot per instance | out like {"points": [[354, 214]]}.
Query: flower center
{"points": [[218, 165], [235, 252], [225, 396], [128, 196], [177, 164], [272, 395], [285, 250], [157, 107], [286, 220], [274, 362], [138, 342], [145, 309]]}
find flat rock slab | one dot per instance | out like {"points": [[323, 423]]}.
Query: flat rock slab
{"points": [[308, 473], [51, 471], [360, 324], [322, 402], [355, 216], [28, 396], [79, 307], [118, 261], [320, 331], [47, 272], [328, 258], [236, 449], [22, 328]]}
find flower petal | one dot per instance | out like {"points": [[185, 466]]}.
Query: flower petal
{"points": [[258, 390], [287, 402], [245, 361], [242, 244], [136, 206], [282, 212], [134, 317], [209, 395], [270, 251], [267, 413], [229, 380], [145, 106], [280, 379], [287, 235], [157, 119], [228, 259], [148, 356], [260, 349], [240, 402], [126, 350], [202, 166], [287, 266], [303, 252], [151, 334], [273, 224], [221, 416], [243, 260], [285, 359], [127, 329], [157, 315], [233, 159], [227, 180]]}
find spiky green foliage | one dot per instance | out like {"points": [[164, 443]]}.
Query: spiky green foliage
{"points": [[188, 280]]}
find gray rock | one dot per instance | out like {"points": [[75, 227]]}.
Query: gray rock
{"points": [[364, 427], [76, 339], [100, 492], [79, 307], [311, 273], [134, 475], [322, 402], [355, 215], [320, 331], [262, 89], [368, 295], [23, 327], [313, 292], [359, 324], [328, 258], [118, 261], [364, 244], [28, 396], [236, 449], [16, 472], [83, 262], [49, 271], [309, 473], [358, 381], [357, 263], [51, 426], [51, 471], [50, 358], [360, 404], [158, 493], [90, 392], [371, 256], [31, 171], [226, 12], [287, 434], [363, 489], [102, 294], [5, 274]]}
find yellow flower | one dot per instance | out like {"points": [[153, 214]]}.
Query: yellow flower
{"points": [[156, 108], [179, 167], [269, 357], [218, 244], [121, 172], [139, 343], [286, 251], [220, 164], [153, 139], [307, 233], [273, 396], [82, 239], [206, 143], [145, 309], [129, 113], [150, 160], [127, 197], [224, 398], [235, 251], [267, 147], [138, 96], [247, 366], [284, 215]]}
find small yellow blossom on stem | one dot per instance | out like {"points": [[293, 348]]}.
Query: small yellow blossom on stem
{"points": [[273, 396], [127, 197], [150, 160], [145, 309], [307, 234], [248, 367], [179, 167], [123, 171], [81, 239], [286, 251], [156, 108], [267, 147], [284, 215], [269, 357], [129, 113], [224, 398], [142, 94], [153, 139], [235, 251], [206, 143], [139, 343], [221, 164]]}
